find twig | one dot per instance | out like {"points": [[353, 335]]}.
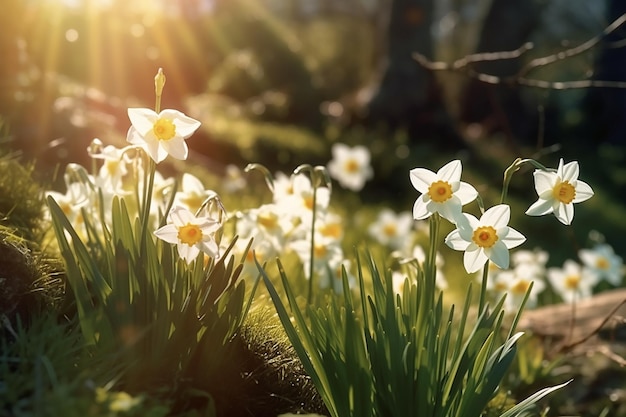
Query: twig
{"points": [[465, 64], [569, 346]]}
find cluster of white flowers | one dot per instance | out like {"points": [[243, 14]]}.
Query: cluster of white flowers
{"points": [[490, 238], [285, 225], [121, 174]]}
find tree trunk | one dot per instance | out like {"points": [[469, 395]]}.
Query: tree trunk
{"points": [[407, 97], [507, 26], [605, 107]]}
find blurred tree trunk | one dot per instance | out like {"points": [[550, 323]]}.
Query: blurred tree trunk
{"points": [[507, 26], [605, 107], [407, 96]]}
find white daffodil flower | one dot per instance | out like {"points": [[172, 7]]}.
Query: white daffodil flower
{"points": [[442, 192], [605, 262], [161, 134], [191, 234], [350, 166], [193, 193], [515, 283], [392, 229], [486, 239], [558, 191], [573, 281]]}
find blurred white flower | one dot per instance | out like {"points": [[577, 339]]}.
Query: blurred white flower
{"points": [[161, 134], [605, 262], [573, 281], [392, 229], [350, 166], [191, 234], [489, 238], [192, 193], [419, 255], [234, 179], [558, 191], [515, 283], [442, 192]]}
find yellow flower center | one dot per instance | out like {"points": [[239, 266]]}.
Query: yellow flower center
{"points": [[331, 230], [189, 234], [351, 166], [602, 263], [520, 287], [319, 251], [440, 191], [390, 230], [572, 282], [268, 220], [564, 192], [485, 236], [164, 129], [308, 202]]}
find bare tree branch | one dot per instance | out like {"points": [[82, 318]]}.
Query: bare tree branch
{"points": [[465, 64]]}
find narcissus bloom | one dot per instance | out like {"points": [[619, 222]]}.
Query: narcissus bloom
{"points": [[161, 134], [486, 239], [573, 281], [191, 234], [442, 193], [605, 262], [350, 166], [558, 191]]}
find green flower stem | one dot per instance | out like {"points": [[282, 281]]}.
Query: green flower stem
{"points": [[146, 202], [431, 264], [311, 268], [483, 288], [512, 169]]}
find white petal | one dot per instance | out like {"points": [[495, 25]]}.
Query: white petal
{"points": [[497, 216], [583, 192], [499, 255], [474, 259], [180, 216], [176, 147], [513, 238], [540, 207], [570, 171], [455, 241], [565, 213], [420, 210], [467, 223], [449, 210], [168, 233], [544, 181], [340, 151], [210, 248], [192, 183], [450, 172], [422, 178], [185, 125], [189, 253], [142, 119], [466, 193]]}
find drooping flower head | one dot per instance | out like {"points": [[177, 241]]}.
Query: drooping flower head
{"points": [[558, 191], [442, 192], [191, 234], [489, 238], [161, 134], [350, 166]]}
